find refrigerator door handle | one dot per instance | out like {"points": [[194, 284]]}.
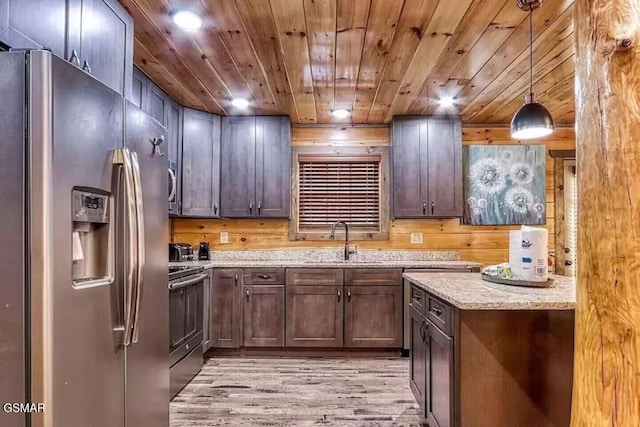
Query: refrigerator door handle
{"points": [[140, 242], [122, 157]]}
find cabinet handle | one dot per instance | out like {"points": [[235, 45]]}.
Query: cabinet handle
{"points": [[251, 207], [417, 297], [348, 296], [423, 330], [424, 208], [215, 209], [436, 310], [259, 207], [339, 295], [247, 294], [236, 279], [433, 206], [86, 67], [74, 58], [264, 276]]}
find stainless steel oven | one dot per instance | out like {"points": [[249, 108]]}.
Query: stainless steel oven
{"points": [[185, 324]]}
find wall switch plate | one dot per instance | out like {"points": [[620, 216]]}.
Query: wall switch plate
{"points": [[416, 238], [224, 237]]}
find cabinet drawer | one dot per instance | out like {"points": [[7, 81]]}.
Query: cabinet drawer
{"points": [[440, 314], [264, 276], [314, 277], [373, 277], [418, 299]]}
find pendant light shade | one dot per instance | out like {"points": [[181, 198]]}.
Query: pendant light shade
{"points": [[532, 120]]}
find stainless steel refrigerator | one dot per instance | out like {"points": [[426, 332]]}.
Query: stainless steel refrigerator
{"points": [[83, 250]]}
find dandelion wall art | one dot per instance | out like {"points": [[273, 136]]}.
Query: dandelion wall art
{"points": [[504, 184]]}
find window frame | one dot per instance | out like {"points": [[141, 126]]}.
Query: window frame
{"points": [[295, 234]]}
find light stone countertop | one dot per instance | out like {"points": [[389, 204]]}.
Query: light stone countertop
{"points": [[334, 258], [330, 264], [468, 291]]}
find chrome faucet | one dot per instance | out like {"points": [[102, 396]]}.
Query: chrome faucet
{"points": [[347, 251]]}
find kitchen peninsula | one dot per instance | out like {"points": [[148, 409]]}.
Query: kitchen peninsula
{"points": [[484, 354]]}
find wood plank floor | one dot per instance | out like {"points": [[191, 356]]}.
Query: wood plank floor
{"points": [[297, 392]]}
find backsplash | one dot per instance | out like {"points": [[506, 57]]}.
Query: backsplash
{"points": [[329, 255]]}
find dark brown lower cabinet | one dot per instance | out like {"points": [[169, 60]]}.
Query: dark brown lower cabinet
{"points": [[226, 308], [263, 316], [418, 359], [314, 316], [439, 377], [373, 316]]}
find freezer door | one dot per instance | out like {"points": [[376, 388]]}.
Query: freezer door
{"points": [[77, 356], [12, 235], [147, 358]]}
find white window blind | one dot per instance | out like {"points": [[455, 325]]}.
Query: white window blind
{"points": [[571, 218], [339, 188]]}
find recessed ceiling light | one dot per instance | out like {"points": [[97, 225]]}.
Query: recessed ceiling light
{"points": [[187, 20], [446, 101], [240, 103], [340, 113]]}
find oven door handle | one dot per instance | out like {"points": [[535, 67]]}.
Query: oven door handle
{"points": [[183, 284]]}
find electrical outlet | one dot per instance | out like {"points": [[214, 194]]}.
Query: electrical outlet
{"points": [[224, 237], [416, 238]]}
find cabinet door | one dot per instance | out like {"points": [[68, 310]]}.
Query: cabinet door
{"points": [[418, 359], [444, 167], [273, 167], [157, 104], [373, 316], [440, 379], [314, 316], [238, 177], [226, 306], [101, 31], [34, 24], [263, 314], [139, 84], [409, 151], [200, 164]]}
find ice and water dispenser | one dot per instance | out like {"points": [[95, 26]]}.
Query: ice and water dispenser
{"points": [[92, 238]]}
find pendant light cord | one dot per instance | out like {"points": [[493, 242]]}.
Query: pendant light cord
{"points": [[531, 52]]}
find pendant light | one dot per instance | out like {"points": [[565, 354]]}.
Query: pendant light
{"points": [[532, 120]]}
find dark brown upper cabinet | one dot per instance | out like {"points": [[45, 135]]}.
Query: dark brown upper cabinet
{"points": [[139, 85], [95, 35], [256, 167], [200, 164], [427, 167], [155, 102], [24, 25]]}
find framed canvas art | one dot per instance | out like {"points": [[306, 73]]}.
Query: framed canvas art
{"points": [[504, 184]]}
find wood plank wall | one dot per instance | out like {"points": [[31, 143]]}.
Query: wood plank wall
{"points": [[485, 244]]}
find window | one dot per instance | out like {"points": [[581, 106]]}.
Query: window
{"points": [[339, 186], [571, 217]]}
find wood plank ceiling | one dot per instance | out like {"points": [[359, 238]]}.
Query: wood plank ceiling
{"points": [[376, 58]]}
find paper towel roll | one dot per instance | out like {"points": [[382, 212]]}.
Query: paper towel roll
{"points": [[515, 252], [535, 254]]}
